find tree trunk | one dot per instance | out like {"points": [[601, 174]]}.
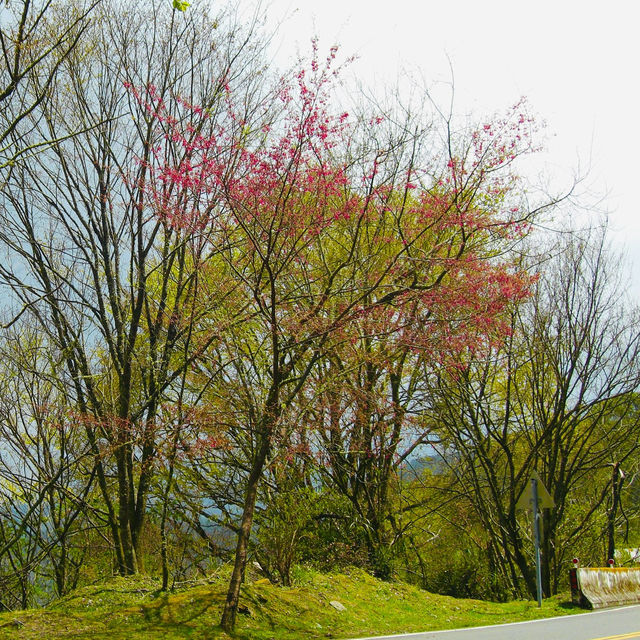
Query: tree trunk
{"points": [[128, 564], [233, 595]]}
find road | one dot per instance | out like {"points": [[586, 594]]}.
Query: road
{"points": [[622, 623]]}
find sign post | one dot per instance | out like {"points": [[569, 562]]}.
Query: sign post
{"points": [[535, 497], [536, 535]]}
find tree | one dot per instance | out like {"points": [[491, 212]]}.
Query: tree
{"points": [[557, 396], [45, 474], [104, 278], [365, 425], [319, 239]]}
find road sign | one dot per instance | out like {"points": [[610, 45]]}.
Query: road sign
{"points": [[526, 499], [535, 497]]}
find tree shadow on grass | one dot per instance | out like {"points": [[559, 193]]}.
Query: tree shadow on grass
{"points": [[183, 608], [193, 615]]}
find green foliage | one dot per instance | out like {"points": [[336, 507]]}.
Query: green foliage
{"points": [[446, 549], [180, 5], [281, 527], [335, 539], [465, 573]]}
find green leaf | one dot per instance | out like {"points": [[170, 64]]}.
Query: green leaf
{"points": [[180, 5]]}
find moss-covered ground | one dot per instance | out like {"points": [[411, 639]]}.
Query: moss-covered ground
{"points": [[135, 609]]}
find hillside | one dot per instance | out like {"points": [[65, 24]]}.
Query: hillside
{"points": [[135, 609]]}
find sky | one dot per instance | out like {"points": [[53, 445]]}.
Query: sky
{"points": [[575, 62]]}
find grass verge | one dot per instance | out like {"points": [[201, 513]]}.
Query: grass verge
{"points": [[135, 609]]}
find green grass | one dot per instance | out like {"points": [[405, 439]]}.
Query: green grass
{"points": [[135, 609]]}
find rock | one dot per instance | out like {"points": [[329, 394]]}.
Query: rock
{"points": [[338, 605]]}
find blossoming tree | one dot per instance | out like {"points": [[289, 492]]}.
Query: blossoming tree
{"points": [[331, 239]]}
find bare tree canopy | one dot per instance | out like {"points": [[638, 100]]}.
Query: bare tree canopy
{"points": [[36, 37]]}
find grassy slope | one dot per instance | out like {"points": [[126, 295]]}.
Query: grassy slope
{"points": [[134, 609]]}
